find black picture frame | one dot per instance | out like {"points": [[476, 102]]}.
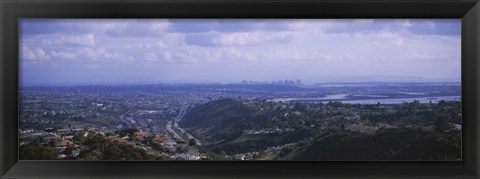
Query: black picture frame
{"points": [[12, 10]]}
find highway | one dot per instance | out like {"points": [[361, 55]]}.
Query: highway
{"points": [[183, 131]]}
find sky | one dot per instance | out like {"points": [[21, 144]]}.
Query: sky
{"points": [[79, 51]]}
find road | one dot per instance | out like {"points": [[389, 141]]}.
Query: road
{"points": [[171, 131], [183, 131]]}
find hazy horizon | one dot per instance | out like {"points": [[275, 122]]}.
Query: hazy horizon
{"points": [[68, 51]]}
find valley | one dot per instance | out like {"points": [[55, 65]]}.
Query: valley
{"points": [[246, 121]]}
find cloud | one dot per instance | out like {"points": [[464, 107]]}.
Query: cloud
{"points": [[86, 40], [249, 25], [416, 26], [448, 27], [150, 58], [167, 56], [315, 45], [184, 58], [97, 53], [407, 23], [34, 54], [62, 55], [73, 40], [360, 25], [138, 28], [238, 39], [127, 60], [397, 42], [191, 25], [233, 25], [432, 57]]}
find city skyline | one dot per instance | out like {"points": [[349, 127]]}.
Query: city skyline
{"points": [[212, 50]]}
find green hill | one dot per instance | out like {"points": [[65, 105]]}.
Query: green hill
{"points": [[390, 144], [218, 120]]}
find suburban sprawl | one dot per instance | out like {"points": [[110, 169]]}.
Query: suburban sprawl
{"points": [[248, 120]]}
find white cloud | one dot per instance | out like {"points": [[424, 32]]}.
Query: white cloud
{"points": [[397, 41], [419, 55], [323, 46], [32, 54], [62, 55], [184, 58], [127, 60], [296, 24], [138, 28], [167, 56], [75, 40], [240, 38], [97, 53], [150, 57], [407, 23]]}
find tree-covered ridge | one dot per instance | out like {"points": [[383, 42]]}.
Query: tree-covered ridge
{"points": [[386, 144], [408, 131]]}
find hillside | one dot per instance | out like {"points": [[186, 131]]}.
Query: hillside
{"points": [[391, 144], [221, 124], [214, 121], [332, 131]]}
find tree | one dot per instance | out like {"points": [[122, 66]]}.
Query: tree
{"points": [[51, 143], [442, 124], [148, 140], [36, 152], [192, 142], [127, 131]]}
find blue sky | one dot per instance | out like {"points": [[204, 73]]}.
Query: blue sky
{"points": [[58, 51]]}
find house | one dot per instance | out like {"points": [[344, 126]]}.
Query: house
{"points": [[125, 137], [76, 130], [140, 135], [169, 143], [117, 139], [64, 143], [63, 131], [239, 157], [161, 138], [192, 151], [184, 156], [68, 137]]}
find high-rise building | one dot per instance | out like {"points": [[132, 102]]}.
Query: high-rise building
{"points": [[299, 82]]}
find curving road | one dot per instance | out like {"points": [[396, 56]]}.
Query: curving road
{"points": [[183, 131], [171, 131]]}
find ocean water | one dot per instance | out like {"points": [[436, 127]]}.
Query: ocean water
{"points": [[342, 98]]}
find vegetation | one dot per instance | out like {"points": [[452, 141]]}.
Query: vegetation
{"points": [[35, 151], [127, 131], [391, 144], [408, 131]]}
